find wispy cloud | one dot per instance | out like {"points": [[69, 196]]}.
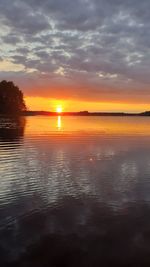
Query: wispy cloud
{"points": [[89, 49]]}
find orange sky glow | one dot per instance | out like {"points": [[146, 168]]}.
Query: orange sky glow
{"points": [[49, 104]]}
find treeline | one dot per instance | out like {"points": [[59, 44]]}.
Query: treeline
{"points": [[11, 98]]}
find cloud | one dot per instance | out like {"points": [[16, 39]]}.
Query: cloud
{"points": [[20, 18], [95, 49]]}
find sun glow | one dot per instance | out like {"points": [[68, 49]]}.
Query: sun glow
{"points": [[59, 109], [48, 104]]}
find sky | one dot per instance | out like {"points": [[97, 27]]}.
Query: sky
{"points": [[81, 54]]}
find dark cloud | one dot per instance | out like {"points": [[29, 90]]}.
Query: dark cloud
{"points": [[11, 39], [96, 48], [21, 18]]}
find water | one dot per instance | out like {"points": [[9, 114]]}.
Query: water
{"points": [[75, 191]]}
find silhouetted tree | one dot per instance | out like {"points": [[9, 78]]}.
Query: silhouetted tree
{"points": [[11, 98]]}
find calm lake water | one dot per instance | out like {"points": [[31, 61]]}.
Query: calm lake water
{"points": [[75, 191]]}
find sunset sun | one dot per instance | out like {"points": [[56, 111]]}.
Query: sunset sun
{"points": [[59, 109]]}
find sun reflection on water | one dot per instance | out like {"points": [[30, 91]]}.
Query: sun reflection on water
{"points": [[59, 123], [74, 125]]}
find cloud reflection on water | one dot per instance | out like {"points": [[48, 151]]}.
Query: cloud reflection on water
{"points": [[60, 208]]}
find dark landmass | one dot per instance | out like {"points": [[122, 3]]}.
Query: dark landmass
{"points": [[83, 113], [11, 99], [146, 113]]}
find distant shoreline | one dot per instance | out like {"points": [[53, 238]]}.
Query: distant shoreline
{"points": [[83, 113]]}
